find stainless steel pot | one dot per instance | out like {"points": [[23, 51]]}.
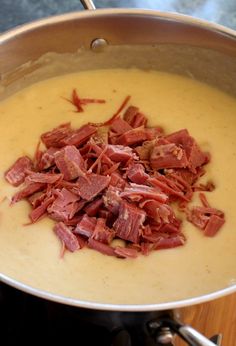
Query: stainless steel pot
{"points": [[177, 43]]}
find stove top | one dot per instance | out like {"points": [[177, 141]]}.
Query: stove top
{"points": [[28, 320], [31, 321]]}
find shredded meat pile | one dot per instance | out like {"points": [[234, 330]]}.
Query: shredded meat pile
{"points": [[116, 180]]}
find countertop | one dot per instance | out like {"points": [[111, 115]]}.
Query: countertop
{"points": [[13, 13]]}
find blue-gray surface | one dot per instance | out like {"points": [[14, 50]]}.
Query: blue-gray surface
{"points": [[15, 12]]}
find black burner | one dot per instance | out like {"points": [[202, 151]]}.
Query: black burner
{"points": [[28, 320]]}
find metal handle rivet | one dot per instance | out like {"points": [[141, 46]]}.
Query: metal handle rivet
{"points": [[98, 44]]}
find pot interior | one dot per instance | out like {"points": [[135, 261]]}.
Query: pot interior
{"points": [[144, 40]]}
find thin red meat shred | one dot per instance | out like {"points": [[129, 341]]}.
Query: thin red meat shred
{"points": [[143, 191], [41, 210], [100, 152], [36, 199], [166, 188], [80, 102], [116, 180], [204, 200], [27, 191], [117, 113]]}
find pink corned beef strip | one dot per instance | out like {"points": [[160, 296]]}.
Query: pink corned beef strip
{"points": [[169, 241], [78, 137], [112, 199], [125, 252], [129, 223], [92, 208], [213, 225], [101, 247], [66, 236], [134, 118], [120, 126], [41, 210], [102, 233], [208, 219], [143, 191], [53, 138], [92, 186], [119, 153], [16, 174], [46, 178], [117, 180], [193, 152], [65, 206], [168, 156], [70, 162], [27, 191], [136, 173], [133, 137], [47, 159], [86, 226]]}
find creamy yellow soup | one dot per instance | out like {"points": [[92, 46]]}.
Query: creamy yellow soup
{"points": [[30, 254]]}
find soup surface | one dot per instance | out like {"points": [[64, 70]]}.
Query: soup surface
{"points": [[30, 254]]}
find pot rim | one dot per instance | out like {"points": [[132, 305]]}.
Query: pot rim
{"points": [[116, 307], [17, 31], [171, 16]]}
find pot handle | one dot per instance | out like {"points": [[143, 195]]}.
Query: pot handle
{"points": [[160, 327], [88, 4], [193, 337]]}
